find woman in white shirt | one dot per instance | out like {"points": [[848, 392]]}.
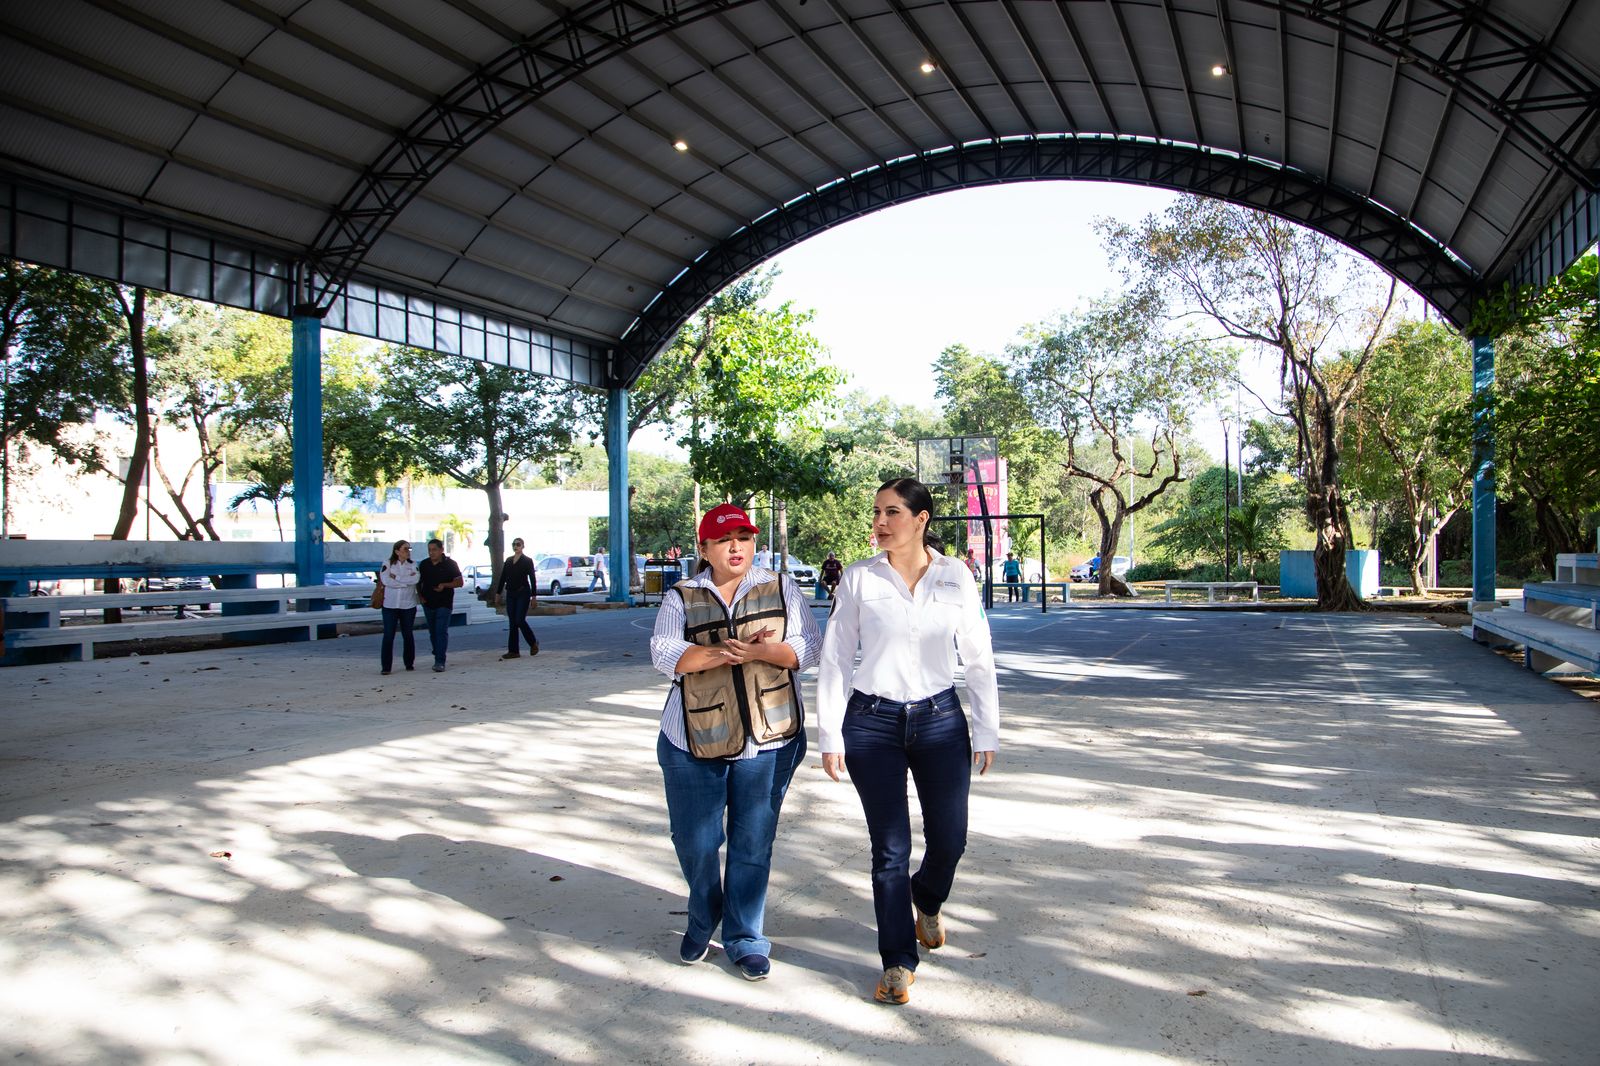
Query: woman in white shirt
{"points": [[399, 579], [732, 638], [909, 609]]}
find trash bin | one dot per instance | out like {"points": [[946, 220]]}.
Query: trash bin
{"points": [[659, 575]]}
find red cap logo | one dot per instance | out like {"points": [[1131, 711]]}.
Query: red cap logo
{"points": [[723, 519]]}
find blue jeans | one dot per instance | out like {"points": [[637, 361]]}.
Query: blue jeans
{"points": [[882, 740], [438, 619], [749, 793], [405, 619], [517, 602], [599, 577]]}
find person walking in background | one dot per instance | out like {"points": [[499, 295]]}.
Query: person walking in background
{"points": [[398, 577], [599, 571], [1011, 570], [909, 609], [515, 589], [438, 577], [832, 570], [733, 638]]}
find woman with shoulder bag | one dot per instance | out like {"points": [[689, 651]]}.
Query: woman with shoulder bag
{"points": [[733, 638], [909, 609], [398, 579]]}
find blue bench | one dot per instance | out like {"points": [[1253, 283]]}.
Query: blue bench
{"points": [[1559, 621]]}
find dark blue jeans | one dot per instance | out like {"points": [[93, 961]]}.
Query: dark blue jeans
{"points": [[882, 740], [517, 616], [438, 619], [403, 619], [747, 794]]}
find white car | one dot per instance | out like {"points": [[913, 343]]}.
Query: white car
{"points": [[556, 574], [1090, 571]]}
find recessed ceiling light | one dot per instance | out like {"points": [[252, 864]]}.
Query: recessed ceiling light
{"points": [[681, 145], [1218, 70], [928, 67]]}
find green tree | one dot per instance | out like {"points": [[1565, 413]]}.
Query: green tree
{"points": [[1408, 435], [1270, 283], [1104, 375], [1546, 403], [472, 422], [881, 435], [59, 342], [270, 479]]}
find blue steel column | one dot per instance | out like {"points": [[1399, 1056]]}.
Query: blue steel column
{"points": [[618, 561], [1483, 498], [309, 566]]}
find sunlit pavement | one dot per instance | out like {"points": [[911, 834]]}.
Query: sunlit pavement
{"points": [[1210, 837]]}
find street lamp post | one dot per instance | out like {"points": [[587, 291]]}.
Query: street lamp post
{"points": [[1227, 478]]}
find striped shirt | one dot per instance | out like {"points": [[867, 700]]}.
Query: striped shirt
{"points": [[667, 647]]}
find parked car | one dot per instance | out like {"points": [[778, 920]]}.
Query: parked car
{"points": [[477, 580], [360, 578], [180, 584], [556, 574], [803, 573], [1090, 571]]}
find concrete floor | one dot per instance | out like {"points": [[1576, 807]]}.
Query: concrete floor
{"points": [[1211, 837]]}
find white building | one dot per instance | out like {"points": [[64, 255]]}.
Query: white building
{"points": [[52, 501]]}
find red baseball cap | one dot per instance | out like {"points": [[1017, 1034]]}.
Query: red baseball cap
{"points": [[723, 519]]}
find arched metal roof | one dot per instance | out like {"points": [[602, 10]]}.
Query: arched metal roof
{"points": [[558, 188]]}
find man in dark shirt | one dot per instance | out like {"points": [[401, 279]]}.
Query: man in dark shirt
{"points": [[438, 577]]}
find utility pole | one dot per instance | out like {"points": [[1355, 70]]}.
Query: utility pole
{"points": [[1227, 476]]}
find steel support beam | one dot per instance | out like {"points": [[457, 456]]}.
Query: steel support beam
{"points": [[1348, 217], [306, 365], [1483, 498], [619, 549]]}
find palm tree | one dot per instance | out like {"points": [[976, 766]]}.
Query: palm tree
{"points": [[272, 481]]}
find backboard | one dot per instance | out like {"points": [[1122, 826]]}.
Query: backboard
{"points": [[957, 462]]}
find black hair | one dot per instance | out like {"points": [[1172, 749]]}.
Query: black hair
{"points": [[915, 495], [437, 541]]}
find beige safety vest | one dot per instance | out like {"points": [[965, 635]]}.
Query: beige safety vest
{"points": [[725, 705]]}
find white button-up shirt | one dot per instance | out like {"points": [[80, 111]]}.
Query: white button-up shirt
{"points": [[399, 584], [908, 645], [667, 646]]}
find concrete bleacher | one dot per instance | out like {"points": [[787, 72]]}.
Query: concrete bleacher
{"points": [[1558, 622], [34, 627]]}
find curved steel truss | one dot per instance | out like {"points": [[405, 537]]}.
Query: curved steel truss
{"points": [[1520, 80], [1357, 222], [577, 41]]}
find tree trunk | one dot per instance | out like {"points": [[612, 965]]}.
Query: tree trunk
{"points": [[497, 530], [134, 314], [141, 418], [1325, 507], [1110, 536]]}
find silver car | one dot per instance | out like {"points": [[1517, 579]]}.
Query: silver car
{"points": [[556, 574]]}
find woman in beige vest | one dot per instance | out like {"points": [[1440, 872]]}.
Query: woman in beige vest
{"points": [[732, 638]]}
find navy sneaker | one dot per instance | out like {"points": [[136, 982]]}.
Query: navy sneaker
{"points": [[754, 967], [691, 950]]}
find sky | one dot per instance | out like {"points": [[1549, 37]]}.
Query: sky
{"points": [[894, 289]]}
